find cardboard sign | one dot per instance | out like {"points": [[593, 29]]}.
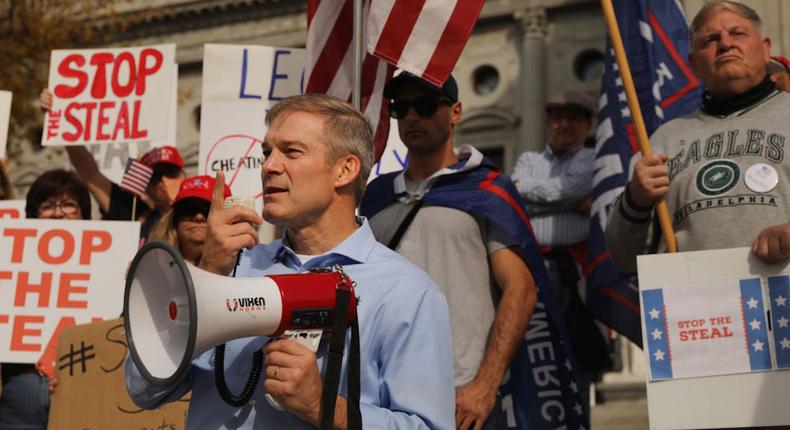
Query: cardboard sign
{"points": [[54, 274], [109, 95], [112, 157], [240, 83], [5, 118], [716, 326], [91, 393], [12, 209]]}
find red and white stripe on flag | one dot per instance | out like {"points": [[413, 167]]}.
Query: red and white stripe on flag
{"points": [[330, 61], [423, 37], [136, 177]]}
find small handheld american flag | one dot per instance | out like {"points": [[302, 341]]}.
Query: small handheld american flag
{"points": [[135, 177]]}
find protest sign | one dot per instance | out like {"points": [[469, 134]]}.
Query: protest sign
{"points": [[55, 274], [91, 394], [240, 83], [112, 157], [109, 95], [5, 117], [716, 327], [13, 209]]}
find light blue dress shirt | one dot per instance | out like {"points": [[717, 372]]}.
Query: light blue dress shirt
{"points": [[552, 186], [405, 345]]}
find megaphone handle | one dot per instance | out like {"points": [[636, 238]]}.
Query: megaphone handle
{"points": [[310, 338]]}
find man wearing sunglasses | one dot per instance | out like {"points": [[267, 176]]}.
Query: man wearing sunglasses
{"points": [[438, 214]]}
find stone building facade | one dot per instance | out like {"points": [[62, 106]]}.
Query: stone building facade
{"points": [[521, 53]]}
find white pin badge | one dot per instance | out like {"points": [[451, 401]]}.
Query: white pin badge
{"points": [[761, 178]]}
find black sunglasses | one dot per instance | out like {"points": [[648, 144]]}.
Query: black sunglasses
{"points": [[188, 209], [424, 106]]}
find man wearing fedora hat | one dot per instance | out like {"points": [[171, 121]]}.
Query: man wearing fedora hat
{"points": [[556, 185]]}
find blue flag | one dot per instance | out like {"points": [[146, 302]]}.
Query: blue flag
{"points": [[541, 391], [655, 35]]}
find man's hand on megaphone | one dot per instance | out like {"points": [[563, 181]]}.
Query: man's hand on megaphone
{"points": [[227, 232], [292, 378]]}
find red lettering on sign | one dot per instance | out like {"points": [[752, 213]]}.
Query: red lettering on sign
{"points": [[66, 69], [19, 235], [44, 251], [22, 330], [25, 287], [89, 246], [145, 69], [124, 90], [10, 213], [103, 120], [67, 288]]}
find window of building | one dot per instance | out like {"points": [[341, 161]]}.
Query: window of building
{"points": [[486, 80], [588, 65]]}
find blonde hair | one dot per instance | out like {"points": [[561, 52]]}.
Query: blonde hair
{"points": [[165, 229], [347, 131]]}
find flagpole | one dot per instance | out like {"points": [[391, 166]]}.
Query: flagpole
{"points": [[134, 206], [636, 113], [356, 91]]}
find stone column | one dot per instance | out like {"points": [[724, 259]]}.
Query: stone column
{"points": [[532, 84]]}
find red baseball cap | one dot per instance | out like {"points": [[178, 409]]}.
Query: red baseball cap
{"points": [[199, 187], [164, 154]]}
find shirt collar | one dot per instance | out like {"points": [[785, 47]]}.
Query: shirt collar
{"points": [[468, 158], [354, 249]]}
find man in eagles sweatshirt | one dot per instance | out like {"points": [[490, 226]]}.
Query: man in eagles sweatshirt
{"points": [[721, 168]]}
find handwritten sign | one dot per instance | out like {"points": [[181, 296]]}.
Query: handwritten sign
{"points": [[240, 83], [54, 274], [111, 157], [5, 117], [109, 95], [90, 363], [13, 209], [716, 326]]}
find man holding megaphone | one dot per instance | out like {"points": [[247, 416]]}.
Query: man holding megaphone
{"points": [[318, 154]]}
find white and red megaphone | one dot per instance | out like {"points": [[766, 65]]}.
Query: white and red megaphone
{"points": [[175, 311]]}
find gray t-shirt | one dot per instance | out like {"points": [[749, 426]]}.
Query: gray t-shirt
{"points": [[453, 248]]}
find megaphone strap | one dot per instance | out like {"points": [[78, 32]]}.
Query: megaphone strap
{"points": [[335, 361]]}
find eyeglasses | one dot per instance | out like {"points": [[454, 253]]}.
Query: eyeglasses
{"points": [[188, 210], [571, 115], [68, 207], [424, 106]]}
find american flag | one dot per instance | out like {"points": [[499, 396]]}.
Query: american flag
{"points": [[135, 177], [329, 63], [423, 37], [655, 35]]}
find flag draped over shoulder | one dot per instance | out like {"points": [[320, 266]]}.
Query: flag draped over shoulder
{"points": [[424, 37], [655, 35], [541, 391]]}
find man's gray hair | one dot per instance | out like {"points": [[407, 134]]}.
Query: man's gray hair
{"points": [[732, 6], [346, 130]]}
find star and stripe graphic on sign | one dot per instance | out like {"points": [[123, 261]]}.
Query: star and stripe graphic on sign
{"points": [[778, 293], [761, 338]]}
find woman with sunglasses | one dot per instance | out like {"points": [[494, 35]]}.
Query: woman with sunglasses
{"points": [[184, 225], [24, 403]]}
